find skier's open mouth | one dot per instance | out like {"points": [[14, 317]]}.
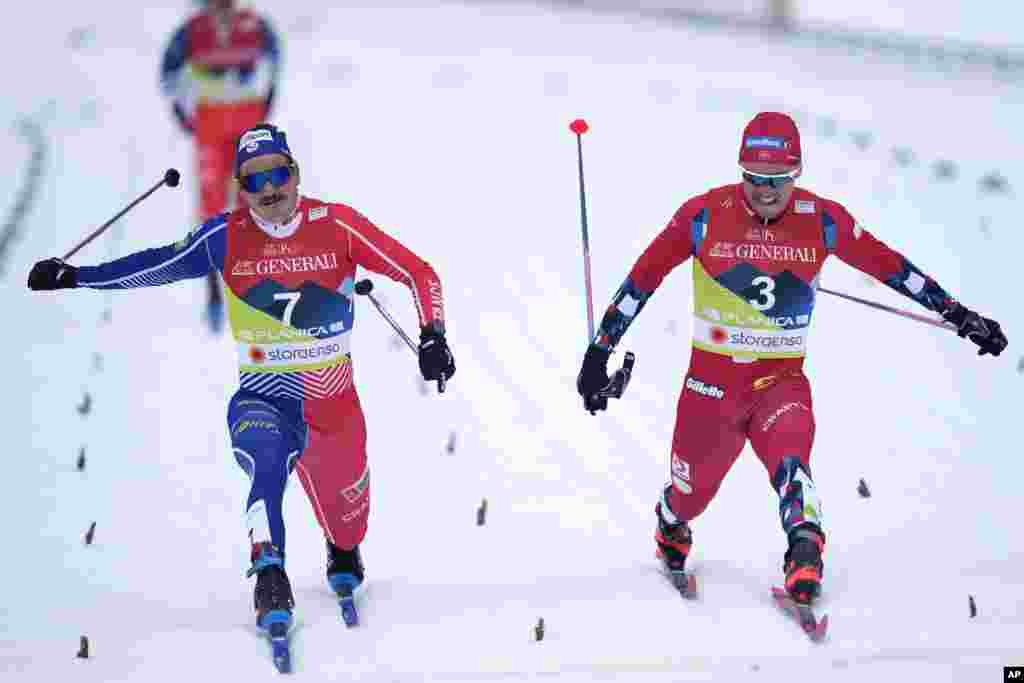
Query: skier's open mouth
{"points": [[271, 200]]}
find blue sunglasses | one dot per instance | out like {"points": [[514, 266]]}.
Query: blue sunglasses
{"points": [[277, 176], [774, 180]]}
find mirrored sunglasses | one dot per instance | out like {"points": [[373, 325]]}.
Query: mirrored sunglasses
{"points": [[773, 180], [277, 176]]}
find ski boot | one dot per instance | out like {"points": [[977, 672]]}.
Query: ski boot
{"points": [[674, 539], [344, 575], [802, 564], [273, 595]]}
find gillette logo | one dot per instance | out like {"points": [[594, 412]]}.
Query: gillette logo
{"points": [[709, 390]]}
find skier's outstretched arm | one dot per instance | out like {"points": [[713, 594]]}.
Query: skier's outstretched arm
{"points": [[669, 249], [373, 249], [859, 248], [197, 254]]}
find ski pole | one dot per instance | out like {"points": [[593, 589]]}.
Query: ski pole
{"points": [[365, 288], [620, 378], [579, 127], [896, 311], [170, 179]]}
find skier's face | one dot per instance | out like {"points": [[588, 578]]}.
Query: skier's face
{"points": [[257, 185], [768, 198]]}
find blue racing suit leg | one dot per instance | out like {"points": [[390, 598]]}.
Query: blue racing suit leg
{"points": [[268, 434]]}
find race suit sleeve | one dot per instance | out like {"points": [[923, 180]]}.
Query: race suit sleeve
{"points": [[175, 57], [197, 254], [174, 60], [271, 48], [371, 248], [272, 53], [857, 247], [670, 248]]}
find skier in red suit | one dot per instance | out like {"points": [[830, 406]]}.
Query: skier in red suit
{"points": [[757, 247], [289, 263], [220, 71]]}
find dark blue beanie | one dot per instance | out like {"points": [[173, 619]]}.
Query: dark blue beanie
{"points": [[260, 140]]}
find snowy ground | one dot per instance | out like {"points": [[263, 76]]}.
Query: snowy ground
{"points": [[448, 127]]}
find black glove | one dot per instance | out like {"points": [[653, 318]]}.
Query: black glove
{"points": [[52, 274], [183, 119], [436, 359], [593, 378], [984, 332]]}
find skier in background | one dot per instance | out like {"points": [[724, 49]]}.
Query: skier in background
{"points": [[288, 263], [220, 72], [758, 247]]}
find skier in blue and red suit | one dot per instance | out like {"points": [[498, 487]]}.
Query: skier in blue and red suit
{"points": [[289, 264], [220, 72], [757, 248]]}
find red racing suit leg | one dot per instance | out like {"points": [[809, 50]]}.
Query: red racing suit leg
{"points": [[334, 470], [721, 406], [708, 437], [781, 431]]}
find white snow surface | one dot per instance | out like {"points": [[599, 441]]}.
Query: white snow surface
{"points": [[447, 125]]}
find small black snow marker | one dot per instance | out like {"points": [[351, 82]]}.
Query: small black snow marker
{"points": [[85, 406], [538, 630], [83, 648], [90, 533], [481, 513], [863, 490]]}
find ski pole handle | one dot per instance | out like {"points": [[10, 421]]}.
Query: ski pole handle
{"points": [[365, 288], [170, 179], [620, 378]]}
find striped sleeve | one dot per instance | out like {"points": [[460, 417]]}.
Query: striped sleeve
{"points": [[371, 248], [199, 253], [676, 243]]}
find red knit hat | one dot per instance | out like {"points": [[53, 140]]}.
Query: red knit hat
{"points": [[771, 138]]}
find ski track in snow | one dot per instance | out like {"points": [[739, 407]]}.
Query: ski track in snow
{"points": [[455, 140]]}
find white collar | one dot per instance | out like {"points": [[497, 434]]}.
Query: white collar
{"points": [[280, 230]]}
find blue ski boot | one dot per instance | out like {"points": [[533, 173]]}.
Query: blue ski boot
{"points": [[273, 601], [345, 575]]}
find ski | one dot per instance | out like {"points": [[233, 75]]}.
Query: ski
{"points": [[275, 625], [344, 586], [815, 629], [685, 583], [347, 603]]}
